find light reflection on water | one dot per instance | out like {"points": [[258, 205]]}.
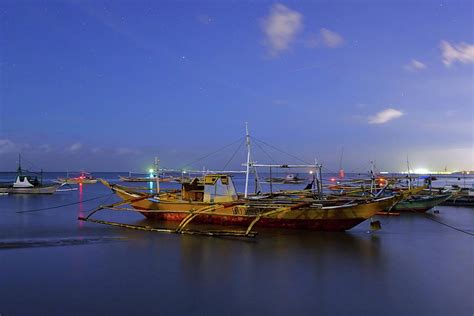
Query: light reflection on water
{"points": [[412, 266]]}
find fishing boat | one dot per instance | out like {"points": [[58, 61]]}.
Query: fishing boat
{"points": [[420, 203], [289, 179], [27, 184], [83, 178], [461, 196], [213, 199]]}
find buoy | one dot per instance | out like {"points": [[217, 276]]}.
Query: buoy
{"points": [[375, 225]]}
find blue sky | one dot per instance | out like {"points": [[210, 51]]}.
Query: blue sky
{"points": [[108, 85]]}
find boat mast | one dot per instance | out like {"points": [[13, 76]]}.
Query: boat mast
{"points": [[320, 176], [19, 164], [408, 172], [247, 140], [372, 176], [157, 176]]}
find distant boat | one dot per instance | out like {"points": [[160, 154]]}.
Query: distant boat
{"points": [[25, 184], [289, 179], [420, 203], [145, 179], [84, 178]]}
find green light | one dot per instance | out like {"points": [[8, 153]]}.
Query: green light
{"points": [[150, 170]]}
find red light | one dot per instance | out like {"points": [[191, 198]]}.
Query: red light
{"points": [[333, 179]]}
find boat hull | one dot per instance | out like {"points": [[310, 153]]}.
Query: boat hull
{"points": [[319, 218], [48, 189], [244, 221], [76, 181], [421, 204]]}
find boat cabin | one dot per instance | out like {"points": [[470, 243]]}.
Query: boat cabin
{"points": [[211, 188]]}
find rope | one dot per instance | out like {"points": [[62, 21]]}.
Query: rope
{"points": [[214, 152], [268, 155], [69, 204], [282, 151], [233, 155], [447, 225]]}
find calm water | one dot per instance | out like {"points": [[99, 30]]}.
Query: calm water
{"points": [[52, 264]]}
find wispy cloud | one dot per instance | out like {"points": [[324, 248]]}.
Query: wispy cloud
{"points": [[385, 116], [414, 65], [75, 147], [280, 28], [7, 146], [331, 38], [462, 52], [45, 148], [204, 19]]}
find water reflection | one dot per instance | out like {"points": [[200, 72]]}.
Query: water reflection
{"points": [[81, 206]]}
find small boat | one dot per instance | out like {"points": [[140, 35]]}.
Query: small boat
{"points": [[83, 178], [461, 196], [420, 203], [145, 179], [26, 184], [289, 179]]}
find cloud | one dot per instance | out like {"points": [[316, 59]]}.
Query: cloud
{"points": [[7, 146], [75, 147], [204, 19], [330, 38], [280, 28], [385, 116], [462, 52], [45, 148], [415, 65]]}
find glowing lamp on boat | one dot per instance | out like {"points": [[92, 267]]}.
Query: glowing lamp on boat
{"points": [[333, 179], [311, 172]]}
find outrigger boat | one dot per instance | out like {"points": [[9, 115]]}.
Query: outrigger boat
{"points": [[83, 178], [26, 184], [213, 199], [420, 203], [289, 179]]}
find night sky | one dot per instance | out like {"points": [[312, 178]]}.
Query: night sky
{"points": [[106, 86]]}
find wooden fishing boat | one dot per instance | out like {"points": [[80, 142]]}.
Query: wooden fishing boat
{"points": [[26, 184], [420, 203], [213, 200], [83, 178]]}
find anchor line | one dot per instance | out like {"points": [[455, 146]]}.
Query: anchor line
{"points": [[447, 225], [64, 205]]}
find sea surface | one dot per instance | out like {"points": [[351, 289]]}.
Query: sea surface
{"points": [[53, 264]]}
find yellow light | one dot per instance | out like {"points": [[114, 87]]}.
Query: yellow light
{"points": [[421, 171]]}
